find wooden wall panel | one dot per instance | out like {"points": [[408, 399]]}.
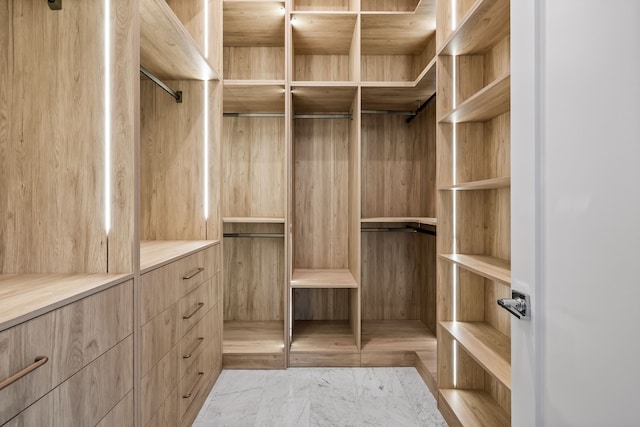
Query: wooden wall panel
{"points": [[321, 67], [321, 193], [326, 5], [398, 167], [172, 144], [428, 284], [254, 274], [254, 63], [214, 221], [254, 166], [497, 61], [52, 136], [494, 315], [355, 202], [321, 304], [388, 68], [497, 141], [389, 5]]}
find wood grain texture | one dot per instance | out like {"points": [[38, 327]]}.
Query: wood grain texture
{"points": [[74, 402], [253, 220], [254, 63], [214, 221], [322, 68], [483, 184], [198, 340], [158, 384], [26, 296], [264, 337], [388, 336], [323, 33], [490, 267], [321, 304], [396, 34], [254, 274], [471, 408], [52, 168], [172, 149], [122, 415], [322, 337], [398, 165], [322, 5], [192, 384], [167, 414], [320, 99], [322, 278], [389, 5], [157, 253], [167, 49], [254, 165], [321, 190], [254, 23], [157, 337], [490, 102], [427, 366], [355, 204], [250, 96]]}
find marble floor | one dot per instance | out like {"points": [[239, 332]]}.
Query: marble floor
{"points": [[301, 397]]}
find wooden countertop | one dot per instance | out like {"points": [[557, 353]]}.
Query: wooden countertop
{"points": [[25, 296], [156, 253]]}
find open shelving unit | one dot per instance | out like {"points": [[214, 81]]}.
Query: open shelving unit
{"points": [[474, 359]]}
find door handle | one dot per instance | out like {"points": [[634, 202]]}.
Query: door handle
{"points": [[519, 305]]}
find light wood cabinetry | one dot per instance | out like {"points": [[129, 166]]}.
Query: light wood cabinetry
{"points": [[474, 211]]}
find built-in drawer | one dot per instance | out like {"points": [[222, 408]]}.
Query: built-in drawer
{"points": [[120, 416], [167, 414], [41, 353], [193, 307], [158, 383], [194, 380], [88, 396], [194, 343], [167, 284], [158, 336]]}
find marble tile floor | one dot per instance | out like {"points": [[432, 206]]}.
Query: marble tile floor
{"points": [[300, 397]]}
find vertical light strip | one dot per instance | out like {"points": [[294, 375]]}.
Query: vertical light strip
{"points": [[107, 115], [454, 142], [206, 115], [454, 12]]}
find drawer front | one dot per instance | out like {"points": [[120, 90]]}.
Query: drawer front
{"points": [[165, 285], [158, 336], [158, 383], [167, 415], [75, 402], [194, 381], [70, 337], [193, 344], [122, 415], [193, 307]]}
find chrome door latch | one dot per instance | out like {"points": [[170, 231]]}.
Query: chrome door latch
{"points": [[519, 305]]}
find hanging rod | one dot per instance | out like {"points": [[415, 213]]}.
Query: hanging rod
{"points": [[421, 107], [252, 235], [400, 230], [176, 94], [253, 114], [324, 116], [388, 112]]}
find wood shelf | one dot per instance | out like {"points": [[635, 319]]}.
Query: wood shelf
{"points": [[323, 98], [322, 33], [396, 335], [396, 34], [26, 296], [167, 49], [399, 6], [489, 267], [322, 279], [156, 253], [253, 96], [485, 184], [485, 24], [254, 23], [472, 408], [388, 219], [487, 346], [490, 102], [253, 220], [323, 336], [265, 337]]}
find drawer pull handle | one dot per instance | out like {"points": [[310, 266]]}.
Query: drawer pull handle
{"points": [[190, 315], [195, 385], [39, 361], [193, 274], [194, 348]]}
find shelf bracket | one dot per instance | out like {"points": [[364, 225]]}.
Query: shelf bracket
{"points": [[177, 95], [55, 4]]}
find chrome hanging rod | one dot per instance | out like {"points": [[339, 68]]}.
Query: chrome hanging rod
{"points": [[421, 107], [399, 230], [324, 116], [176, 94], [254, 235], [253, 114], [388, 112]]}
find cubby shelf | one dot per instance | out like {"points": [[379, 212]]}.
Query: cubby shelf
{"points": [[156, 253], [399, 6], [242, 337], [485, 184], [254, 96], [167, 49], [253, 220], [322, 279], [491, 101], [397, 34], [322, 98], [254, 23], [388, 219], [485, 24], [472, 408], [396, 335], [486, 266], [487, 346], [323, 336]]}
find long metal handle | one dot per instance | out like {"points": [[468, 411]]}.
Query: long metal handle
{"points": [[193, 273], [194, 348], [194, 386], [189, 316], [39, 361]]}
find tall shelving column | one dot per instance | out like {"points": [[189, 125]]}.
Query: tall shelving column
{"points": [[325, 98], [473, 139], [255, 185]]}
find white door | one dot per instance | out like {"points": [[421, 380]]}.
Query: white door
{"points": [[576, 211]]}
